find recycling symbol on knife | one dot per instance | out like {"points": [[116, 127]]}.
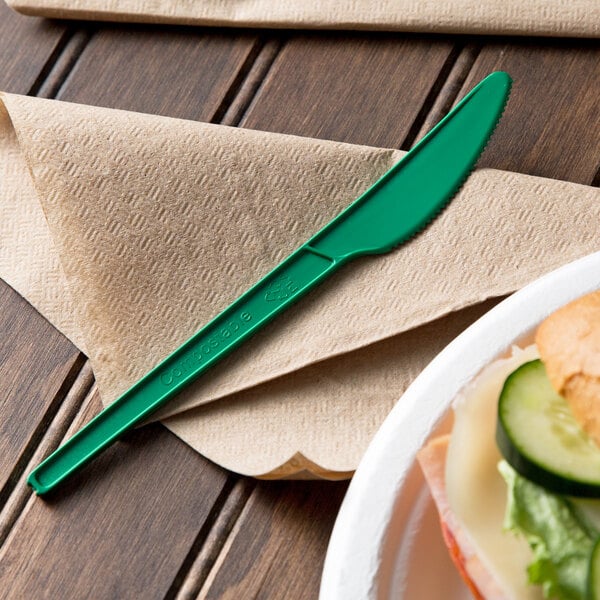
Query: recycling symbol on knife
{"points": [[280, 289]]}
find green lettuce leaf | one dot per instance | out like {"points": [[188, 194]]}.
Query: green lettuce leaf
{"points": [[561, 540]]}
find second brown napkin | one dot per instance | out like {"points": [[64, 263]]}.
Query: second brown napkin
{"points": [[533, 17]]}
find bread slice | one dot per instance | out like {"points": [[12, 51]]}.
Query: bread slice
{"points": [[569, 345]]}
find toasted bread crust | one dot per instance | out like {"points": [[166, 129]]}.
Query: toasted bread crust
{"points": [[569, 345]]}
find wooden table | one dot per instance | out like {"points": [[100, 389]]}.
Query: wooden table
{"points": [[156, 520]]}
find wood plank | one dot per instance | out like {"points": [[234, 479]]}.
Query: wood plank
{"points": [[26, 45], [550, 127], [53, 435], [185, 73], [361, 89], [451, 90], [202, 562], [125, 526], [37, 365], [277, 547], [253, 81], [278, 543], [120, 528], [63, 65]]}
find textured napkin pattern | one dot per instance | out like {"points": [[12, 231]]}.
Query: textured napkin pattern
{"points": [[28, 259], [131, 231], [531, 17]]}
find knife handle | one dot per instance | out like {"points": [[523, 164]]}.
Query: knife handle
{"points": [[281, 287]]}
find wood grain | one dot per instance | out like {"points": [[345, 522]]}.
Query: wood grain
{"points": [[185, 73], [279, 543], [37, 366], [551, 124], [451, 88], [50, 85], [205, 556], [352, 88], [253, 81], [27, 45], [120, 528], [52, 436]]}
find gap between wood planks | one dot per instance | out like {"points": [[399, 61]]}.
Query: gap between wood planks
{"points": [[215, 533], [596, 180], [248, 81], [40, 431], [61, 62], [53, 435]]}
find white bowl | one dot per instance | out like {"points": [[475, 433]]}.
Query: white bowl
{"points": [[386, 541]]}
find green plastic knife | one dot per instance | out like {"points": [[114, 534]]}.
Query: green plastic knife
{"points": [[391, 211]]}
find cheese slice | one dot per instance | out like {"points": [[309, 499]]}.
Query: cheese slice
{"points": [[475, 489]]}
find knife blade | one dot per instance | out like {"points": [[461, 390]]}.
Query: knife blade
{"points": [[395, 208]]}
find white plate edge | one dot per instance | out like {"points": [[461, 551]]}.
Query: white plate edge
{"points": [[354, 552]]}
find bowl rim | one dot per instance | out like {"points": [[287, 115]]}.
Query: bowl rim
{"points": [[356, 547]]}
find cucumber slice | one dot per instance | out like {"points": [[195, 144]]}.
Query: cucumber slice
{"points": [[537, 434], [594, 573]]}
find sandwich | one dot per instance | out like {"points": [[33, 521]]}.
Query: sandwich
{"points": [[517, 481]]}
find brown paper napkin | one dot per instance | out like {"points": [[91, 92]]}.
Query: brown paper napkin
{"points": [[532, 17], [131, 231]]}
